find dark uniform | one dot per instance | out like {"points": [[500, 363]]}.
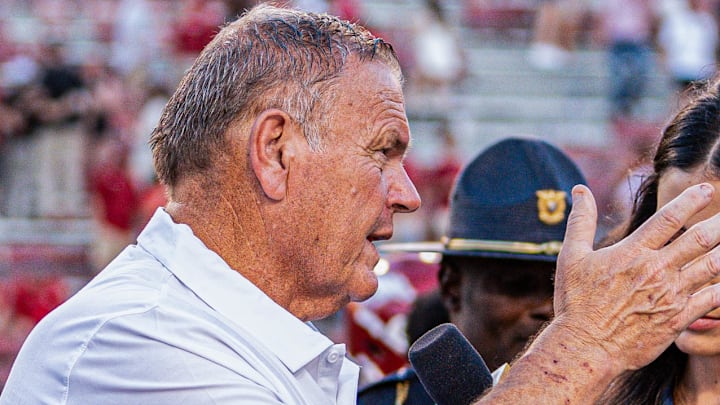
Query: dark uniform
{"points": [[508, 210], [399, 388]]}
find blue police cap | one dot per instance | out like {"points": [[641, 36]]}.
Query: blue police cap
{"points": [[511, 201]]}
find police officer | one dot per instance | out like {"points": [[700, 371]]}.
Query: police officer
{"points": [[508, 214]]}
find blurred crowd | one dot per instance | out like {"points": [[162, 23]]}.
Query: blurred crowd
{"points": [[83, 82]]}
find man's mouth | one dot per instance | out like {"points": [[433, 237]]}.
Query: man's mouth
{"points": [[383, 234]]}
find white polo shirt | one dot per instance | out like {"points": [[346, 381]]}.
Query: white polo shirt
{"points": [[168, 322]]}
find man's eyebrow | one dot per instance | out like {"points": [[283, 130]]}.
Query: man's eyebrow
{"points": [[410, 144], [397, 141], [387, 138]]}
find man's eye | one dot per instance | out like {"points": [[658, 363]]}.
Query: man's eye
{"points": [[385, 152]]}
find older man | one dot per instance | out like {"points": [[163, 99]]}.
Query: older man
{"points": [[282, 153]]}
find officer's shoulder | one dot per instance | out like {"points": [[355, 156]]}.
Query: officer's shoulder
{"points": [[403, 383]]}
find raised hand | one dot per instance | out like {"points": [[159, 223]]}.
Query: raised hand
{"points": [[633, 298], [619, 307]]}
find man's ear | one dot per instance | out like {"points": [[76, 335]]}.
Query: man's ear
{"points": [[450, 279], [270, 151]]}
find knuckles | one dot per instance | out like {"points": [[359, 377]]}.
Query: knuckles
{"points": [[712, 263], [668, 219], [702, 237]]}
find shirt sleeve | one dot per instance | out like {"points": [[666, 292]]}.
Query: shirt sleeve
{"points": [[139, 363]]}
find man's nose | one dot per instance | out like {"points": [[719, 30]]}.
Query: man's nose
{"points": [[402, 194]]}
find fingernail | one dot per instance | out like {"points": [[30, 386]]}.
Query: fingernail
{"points": [[706, 189], [577, 194]]}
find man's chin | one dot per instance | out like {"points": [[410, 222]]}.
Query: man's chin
{"points": [[364, 289]]}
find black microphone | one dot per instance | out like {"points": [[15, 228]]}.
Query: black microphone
{"points": [[449, 368]]}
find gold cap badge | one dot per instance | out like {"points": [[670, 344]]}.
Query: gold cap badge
{"points": [[551, 206]]}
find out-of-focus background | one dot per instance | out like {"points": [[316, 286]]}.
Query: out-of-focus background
{"points": [[82, 84]]}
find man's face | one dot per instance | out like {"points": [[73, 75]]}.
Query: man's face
{"points": [[500, 304], [347, 194]]}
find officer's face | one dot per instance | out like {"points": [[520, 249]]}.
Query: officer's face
{"points": [[498, 304]]}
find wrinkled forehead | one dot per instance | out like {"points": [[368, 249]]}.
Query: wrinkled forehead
{"points": [[372, 76], [372, 92]]}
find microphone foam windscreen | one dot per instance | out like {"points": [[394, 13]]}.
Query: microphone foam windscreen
{"points": [[449, 368]]}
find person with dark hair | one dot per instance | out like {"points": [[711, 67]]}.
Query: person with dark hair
{"points": [[627, 28], [282, 152], [61, 148], [498, 255], [688, 153]]}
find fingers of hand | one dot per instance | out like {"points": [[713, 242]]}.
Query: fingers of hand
{"points": [[578, 243], [700, 271], [581, 224], [695, 252], [699, 304], [669, 219]]}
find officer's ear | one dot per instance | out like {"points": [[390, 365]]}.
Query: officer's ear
{"points": [[271, 148], [450, 279]]}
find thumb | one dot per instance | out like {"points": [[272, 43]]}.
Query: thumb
{"points": [[581, 225]]}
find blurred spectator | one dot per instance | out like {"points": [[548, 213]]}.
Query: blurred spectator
{"points": [[13, 124], [233, 8], [35, 296], [24, 301], [197, 23], [141, 161], [314, 6], [114, 203], [627, 29], [54, 16], [346, 9], [102, 14], [109, 101], [14, 328], [439, 59], [18, 161], [62, 101], [138, 36], [151, 198], [151, 194], [7, 47], [688, 40], [555, 32]]}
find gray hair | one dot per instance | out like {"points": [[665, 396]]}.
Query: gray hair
{"points": [[268, 58]]}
